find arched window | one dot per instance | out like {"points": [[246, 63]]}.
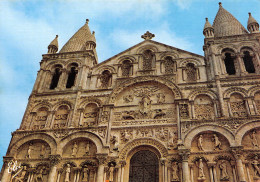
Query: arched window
{"points": [[204, 107], [248, 62], [191, 72], [237, 105], [148, 59], [229, 60], [169, 65], [126, 68], [55, 77], [40, 119], [72, 76], [106, 79]]}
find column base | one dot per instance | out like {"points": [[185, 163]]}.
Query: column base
{"points": [[201, 179]]}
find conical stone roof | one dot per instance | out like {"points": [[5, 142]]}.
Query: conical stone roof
{"points": [[251, 19], [79, 39], [55, 42], [207, 24], [225, 24]]}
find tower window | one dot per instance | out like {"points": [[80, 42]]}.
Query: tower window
{"points": [[229, 63], [248, 61], [71, 77], [55, 78]]}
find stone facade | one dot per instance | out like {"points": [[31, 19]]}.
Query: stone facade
{"points": [[150, 113]]}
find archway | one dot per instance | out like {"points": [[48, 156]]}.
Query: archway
{"points": [[144, 167]]}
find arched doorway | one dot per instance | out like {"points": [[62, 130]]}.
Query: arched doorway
{"points": [[144, 167]]}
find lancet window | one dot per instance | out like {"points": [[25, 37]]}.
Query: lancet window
{"points": [[126, 68], [170, 66], [56, 76], [248, 61], [191, 72], [106, 79], [72, 76], [147, 60], [229, 61]]}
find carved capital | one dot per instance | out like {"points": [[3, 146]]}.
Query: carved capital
{"points": [[102, 159], [211, 164], [123, 163], [237, 151], [54, 159], [184, 153], [163, 161], [7, 159]]}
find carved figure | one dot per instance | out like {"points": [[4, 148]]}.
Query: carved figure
{"points": [[39, 176], [255, 166], [175, 171], [126, 136], [111, 172], [161, 134], [223, 168], [145, 105], [74, 149], [217, 143], [114, 143], [200, 143], [201, 171], [254, 139], [29, 151], [43, 150], [20, 178], [67, 175], [85, 174], [87, 147], [128, 98], [160, 98]]}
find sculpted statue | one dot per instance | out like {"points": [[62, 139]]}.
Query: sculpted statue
{"points": [[85, 174], [114, 143], [255, 166], [161, 134], [43, 150], [29, 151], [126, 136], [67, 175], [223, 168], [145, 105], [111, 172], [160, 98], [201, 171], [200, 143], [217, 143], [254, 139], [175, 171], [74, 149], [21, 177], [87, 148]]}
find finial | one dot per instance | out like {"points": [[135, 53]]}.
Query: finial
{"points": [[148, 36], [93, 32], [220, 4], [207, 19], [87, 20], [249, 14], [57, 36]]}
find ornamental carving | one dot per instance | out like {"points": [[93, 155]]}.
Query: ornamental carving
{"points": [[184, 110]]}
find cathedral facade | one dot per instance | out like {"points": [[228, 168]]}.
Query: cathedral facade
{"points": [[152, 113]]}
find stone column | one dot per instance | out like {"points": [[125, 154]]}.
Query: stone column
{"points": [[81, 111], [101, 167], [192, 110], [237, 152], [211, 166], [54, 160], [123, 163], [52, 119], [184, 153], [62, 80], [215, 172], [32, 171], [233, 165], [163, 165], [59, 174], [247, 172], [191, 172], [241, 64], [258, 62]]}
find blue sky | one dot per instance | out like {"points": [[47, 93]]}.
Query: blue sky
{"points": [[28, 26]]}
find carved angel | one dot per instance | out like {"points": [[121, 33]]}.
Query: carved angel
{"points": [[74, 149], [254, 139], [200, 143], [217, 143], [201, 170], [223, 168]]}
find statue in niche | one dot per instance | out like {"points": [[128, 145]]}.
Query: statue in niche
{"points": [[128, 98], [160, 98], [21, 177], [201, 170], [87, 147], [145, 105], [217, 143], [29, 151], [74, 149], [111, 172], [175, 171], [39, 176], [114, 143], [85, 174], [223, 168], [67, 175], [200, 143], [255, 166], [172, 139], [43, 151], [254, 139]]}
